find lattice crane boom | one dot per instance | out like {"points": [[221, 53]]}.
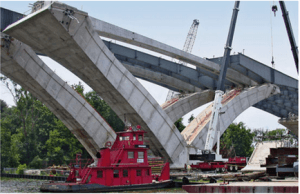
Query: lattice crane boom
{"points": [[188, 46], [191, 37]]}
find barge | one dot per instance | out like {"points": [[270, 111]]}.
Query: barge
{"points": [[121, 166]]}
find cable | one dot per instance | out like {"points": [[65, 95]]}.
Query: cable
{"points": [[272, 62]]}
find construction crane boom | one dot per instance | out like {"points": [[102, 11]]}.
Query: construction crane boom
{"points": [[212, 129], [191, 37], [288, 25], [188, 46]]}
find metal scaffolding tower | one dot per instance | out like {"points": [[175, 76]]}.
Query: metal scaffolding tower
{"points": [[188, 46]]}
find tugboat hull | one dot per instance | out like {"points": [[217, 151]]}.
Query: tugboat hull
{"points": [[84, 188]]}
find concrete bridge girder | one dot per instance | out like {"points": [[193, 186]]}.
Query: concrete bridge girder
{"points": [[199, 78], [195, 133], [281, 104], [178, 107], [78, 47], [162, 79], [111, 31], [251, 68], [21, 64], [258, 72], [204, 79]]}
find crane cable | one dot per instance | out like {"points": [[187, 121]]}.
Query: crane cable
{"points": [[272, 62]]}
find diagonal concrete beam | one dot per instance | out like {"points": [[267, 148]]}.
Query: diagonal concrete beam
{"points": [[75, 45], [179, 106], [20, 63], [111, 31], [234, 103]]}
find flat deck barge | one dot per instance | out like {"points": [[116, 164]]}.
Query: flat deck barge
{"points": [[245, 187]]}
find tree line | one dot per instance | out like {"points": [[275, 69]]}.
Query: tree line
{"points": [[31, 134]]}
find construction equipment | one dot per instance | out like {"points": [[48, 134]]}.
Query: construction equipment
{"points": [[207, 152], [188, 46], [289, 30]]}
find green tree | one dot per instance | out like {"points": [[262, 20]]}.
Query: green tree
{"points": [[104, 110], [62, 145], [29, 122], [3, 105], [45, 123], [179, 124], [238, 137], [191, 118], [27, 112], [9, 150]]}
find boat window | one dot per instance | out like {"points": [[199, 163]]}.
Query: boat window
{"points": [[116, 173], [140, 138], [121, 138], [134, 137], [138, 172], [125, 173], [76, 173], [99, 174], [140, 154], [126, 137], [130, 155], [147, 172]]}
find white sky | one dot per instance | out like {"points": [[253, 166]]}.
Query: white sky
{"points": [[169, 22]]}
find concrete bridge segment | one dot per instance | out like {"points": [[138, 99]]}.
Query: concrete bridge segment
{"points": [[165, 73], [200, 78], [111, 31], [233, 105], [78, 47], [279, 105], [161, 79], [180, 106], [20, 63]]}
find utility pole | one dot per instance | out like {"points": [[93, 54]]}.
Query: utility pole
{"points": [[285, 15], [188, 46]]}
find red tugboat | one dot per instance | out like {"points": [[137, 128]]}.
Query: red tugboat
{"points": [[121, 166]]}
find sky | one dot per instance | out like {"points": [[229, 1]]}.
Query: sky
{"points": [[169, 23]]}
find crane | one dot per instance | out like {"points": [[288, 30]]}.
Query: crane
{"points": [[188, 46], [285, 15], [212, 129]]}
